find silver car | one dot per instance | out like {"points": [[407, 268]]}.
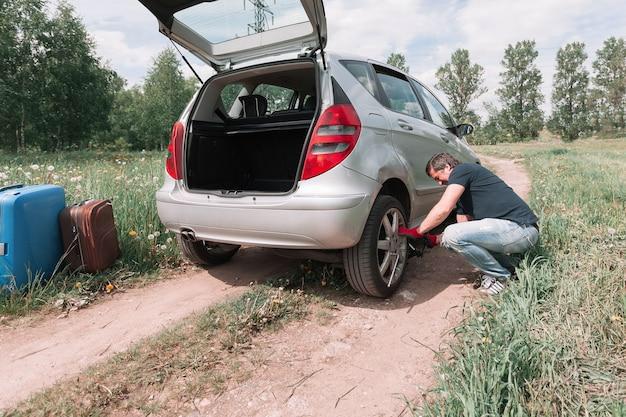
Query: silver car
{"points": [[315, 154]]}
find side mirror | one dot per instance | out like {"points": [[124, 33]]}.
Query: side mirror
{"points": [[464, 129]]}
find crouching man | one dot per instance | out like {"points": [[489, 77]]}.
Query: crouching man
{"points": [[493, 222]]}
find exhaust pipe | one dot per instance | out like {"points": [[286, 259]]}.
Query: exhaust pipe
{"points": [[188, 235]]}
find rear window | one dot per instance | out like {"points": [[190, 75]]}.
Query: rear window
{"points": [[361, 71], [278, 98], [220, 21], [229, 95], [399, 92]]}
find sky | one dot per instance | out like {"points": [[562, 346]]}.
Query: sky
{"points": [[425, 31]]}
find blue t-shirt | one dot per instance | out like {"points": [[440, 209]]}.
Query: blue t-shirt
{"points": [[486, 196]]}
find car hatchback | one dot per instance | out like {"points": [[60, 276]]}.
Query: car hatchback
{"points": [[316, 155]]}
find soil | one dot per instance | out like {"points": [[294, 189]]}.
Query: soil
{"points": [[367, 359]]}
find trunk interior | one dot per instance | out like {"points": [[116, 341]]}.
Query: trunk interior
{"points": [[249, 129]]}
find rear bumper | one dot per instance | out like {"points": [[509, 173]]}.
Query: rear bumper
{"points": [[305, 219]]}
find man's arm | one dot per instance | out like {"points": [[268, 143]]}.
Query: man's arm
{"points": [[443, 208]]}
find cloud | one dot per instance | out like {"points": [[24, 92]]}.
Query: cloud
{"points": [[426, 31], [374, 29], [487, 27], [113, 46]]}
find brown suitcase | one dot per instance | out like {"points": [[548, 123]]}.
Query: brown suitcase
{"points": [[89, 235]]}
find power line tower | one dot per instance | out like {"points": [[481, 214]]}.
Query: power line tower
{"points": [[261, 14]]}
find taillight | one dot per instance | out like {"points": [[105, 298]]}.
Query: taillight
{"points": [[174, 162], [334, 136]]}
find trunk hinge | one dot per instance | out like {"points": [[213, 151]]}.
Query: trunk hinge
{"points": [[227, 66]]}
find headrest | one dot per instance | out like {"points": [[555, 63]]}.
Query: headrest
{"points": [[309, 103], [253, 105]]}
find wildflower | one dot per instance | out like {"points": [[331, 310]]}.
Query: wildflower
{"points": [[34, 167], [616, 318], [155, 179], [132, 234], [157, 234], [55, 177], [50, 168], [169, 240], [4, 176], [28, 174], [78, 285], [611, 231], [163, 247], [150, 236], [109, 287]]}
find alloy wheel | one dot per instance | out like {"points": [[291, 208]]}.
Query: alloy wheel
{"points": [[391, 246]]}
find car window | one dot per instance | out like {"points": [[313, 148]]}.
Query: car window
{"points": [[361, 71], [399, 92], [438, 113], [229, 94], [278, 98]]}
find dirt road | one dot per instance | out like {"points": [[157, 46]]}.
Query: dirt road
{"points": [[375, 354]]}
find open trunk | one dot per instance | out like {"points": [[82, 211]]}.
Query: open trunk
{"points": [[249, 129]]}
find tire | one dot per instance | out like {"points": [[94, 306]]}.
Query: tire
{"points": [[369, 265], [203, 252]]}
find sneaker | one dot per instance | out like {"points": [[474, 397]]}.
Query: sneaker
{"points": [[491, 285]]}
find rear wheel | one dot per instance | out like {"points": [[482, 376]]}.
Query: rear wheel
{"points": [[203, 252], [375, 266]]}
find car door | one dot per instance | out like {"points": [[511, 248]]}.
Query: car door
{"points": [[415, 139], [227, 32], [442, 120]]}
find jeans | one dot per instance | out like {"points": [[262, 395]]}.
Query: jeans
{"points": [[488, 243]]}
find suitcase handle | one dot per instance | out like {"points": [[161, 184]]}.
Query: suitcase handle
{"points": [[10, 187]]}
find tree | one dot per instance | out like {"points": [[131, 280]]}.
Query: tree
{"points": [[461, 82], [53, 90], [124, 118], [519, 93], [78, 91], [398, 60], [165, 95], [610, 79], [23, 39], [570, 115]]}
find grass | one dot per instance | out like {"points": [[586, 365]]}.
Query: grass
{"points": [[129, 180], [164, 374], [554, 344]]}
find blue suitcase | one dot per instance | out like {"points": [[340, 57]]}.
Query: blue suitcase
{"points": [[30, 235]]}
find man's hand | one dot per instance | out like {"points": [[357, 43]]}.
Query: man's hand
{"points": [[431, 240], [404, 231]]}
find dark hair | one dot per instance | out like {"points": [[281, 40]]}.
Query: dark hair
{"points": [[439, 162]]}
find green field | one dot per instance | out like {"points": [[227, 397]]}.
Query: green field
{"points": [[554, 344], [129, 180]]}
